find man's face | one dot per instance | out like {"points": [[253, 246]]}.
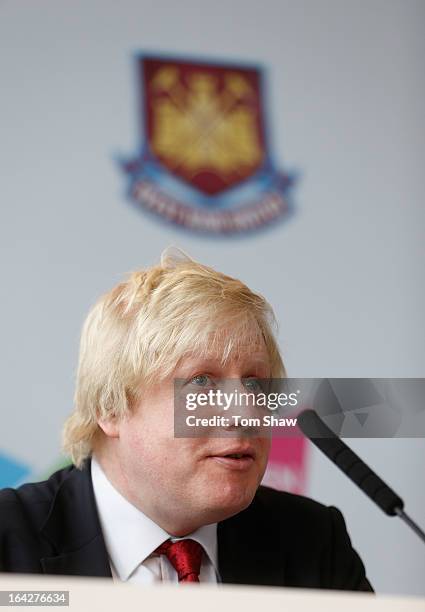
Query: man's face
{"points": [[183, 483]]}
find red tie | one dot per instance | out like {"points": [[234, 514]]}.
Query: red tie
{"points": [[185, 556]]}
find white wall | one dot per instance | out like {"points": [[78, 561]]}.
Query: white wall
{"points": [[345, 274]]}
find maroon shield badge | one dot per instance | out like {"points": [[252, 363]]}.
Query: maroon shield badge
{"points": [[204, 161]]}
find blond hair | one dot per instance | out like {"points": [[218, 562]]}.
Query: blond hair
{"points": [[138, 331]]}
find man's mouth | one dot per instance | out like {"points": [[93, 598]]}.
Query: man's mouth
{"points": [[235, 459]]}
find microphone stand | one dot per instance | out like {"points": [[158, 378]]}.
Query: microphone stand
{"points": [[406, 518]]}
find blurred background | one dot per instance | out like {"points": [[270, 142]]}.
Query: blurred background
{"points": [[344, 102]]}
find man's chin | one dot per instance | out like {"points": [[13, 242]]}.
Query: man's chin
{"points": [[229, 501]]}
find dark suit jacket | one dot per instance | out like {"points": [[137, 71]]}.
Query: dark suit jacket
{"points": [[52, 527]]}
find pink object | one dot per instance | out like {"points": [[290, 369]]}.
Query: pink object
{"points": [[287, 467]]}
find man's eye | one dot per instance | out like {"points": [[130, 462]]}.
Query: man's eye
{"points": [[252, 384], [201, 380]]}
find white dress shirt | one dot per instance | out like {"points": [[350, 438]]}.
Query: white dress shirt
{"points": [[131, 537]]}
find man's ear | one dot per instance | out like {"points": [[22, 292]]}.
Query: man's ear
{"points": [[110, 426]]}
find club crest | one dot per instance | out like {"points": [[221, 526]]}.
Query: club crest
{"points": [[204, 162]]}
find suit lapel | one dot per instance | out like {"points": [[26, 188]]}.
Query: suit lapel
{"points": [[87, 561], [247, 551], [73, 529]]}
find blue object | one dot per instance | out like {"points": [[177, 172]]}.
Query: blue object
{"points": [[11, 471]]}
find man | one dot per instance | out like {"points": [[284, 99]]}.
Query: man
{"points": [[141, 505]]}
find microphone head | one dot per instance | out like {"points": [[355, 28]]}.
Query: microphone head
{"points": [[312, 425]]}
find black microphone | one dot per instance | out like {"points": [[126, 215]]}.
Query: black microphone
{"points": [[343, 457]]}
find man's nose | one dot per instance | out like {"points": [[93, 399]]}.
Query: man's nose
{"points": [[242, 414]]}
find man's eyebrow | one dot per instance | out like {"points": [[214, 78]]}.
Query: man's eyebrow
{"points": [[199, 362], [209, 362]]}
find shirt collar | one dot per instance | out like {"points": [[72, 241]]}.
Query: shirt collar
{"points": [[130, 536]]}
